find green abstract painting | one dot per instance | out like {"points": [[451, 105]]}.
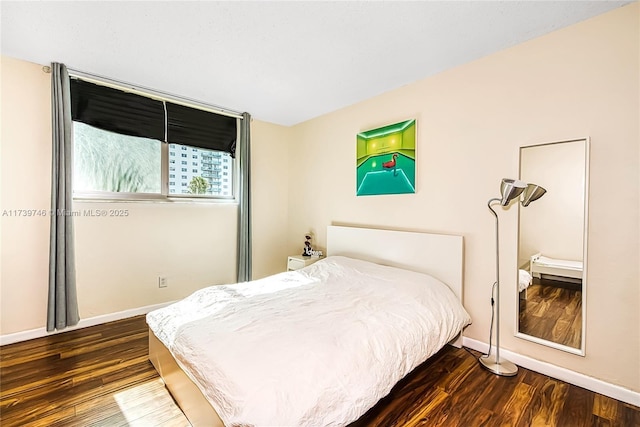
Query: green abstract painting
{"points": [[386, 160]]}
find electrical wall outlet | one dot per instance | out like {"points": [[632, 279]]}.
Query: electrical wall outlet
{"points": [[162, 282]]}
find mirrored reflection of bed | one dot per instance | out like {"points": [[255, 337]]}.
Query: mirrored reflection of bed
{"points": [[561, 269], [316, 346], [553, 269]]}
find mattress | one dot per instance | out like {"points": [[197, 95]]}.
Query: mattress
{"points": [[312, 347], [524, 280]]}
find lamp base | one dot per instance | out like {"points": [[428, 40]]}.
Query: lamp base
{"points": [[502, 367]]}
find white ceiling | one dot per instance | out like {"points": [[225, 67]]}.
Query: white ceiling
{"points": [[283, 62]]}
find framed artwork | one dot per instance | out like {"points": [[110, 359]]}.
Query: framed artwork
{"points": [[386, 160]]}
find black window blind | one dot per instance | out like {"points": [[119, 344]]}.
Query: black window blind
{"points": [[116, 111], [199, 128], [137, 115]]}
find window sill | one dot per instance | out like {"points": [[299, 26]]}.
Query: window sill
{"points": [[153, 199]]}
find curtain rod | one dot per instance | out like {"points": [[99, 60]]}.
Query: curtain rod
{"points": [[146, 91]]}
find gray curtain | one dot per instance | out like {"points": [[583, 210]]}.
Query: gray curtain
{"points": [[62, 309], [244, 193]]}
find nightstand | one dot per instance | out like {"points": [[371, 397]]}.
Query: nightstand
{"points": [[296, 262]]}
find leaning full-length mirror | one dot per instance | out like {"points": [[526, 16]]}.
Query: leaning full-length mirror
{"points": [[552, 246]]}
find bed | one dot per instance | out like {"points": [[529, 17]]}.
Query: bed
{"points": [[524, 281], [308, 347], [559, 268]]}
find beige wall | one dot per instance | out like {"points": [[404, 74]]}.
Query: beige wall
{"points": [[26, 119], [270, 196], [118, 259], [576, 82]]}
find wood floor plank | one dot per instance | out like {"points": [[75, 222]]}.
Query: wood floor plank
{"points": [[137, 393], [578, 408], [552, 311], [37, 348], [60, 417], [133, 405], [513, 409], [432, 403], [480, 417], [465, 393], [106, 379], [104, 344], [629, 415], [605, 407], [497, 392], [551, 397], [596, 421]]}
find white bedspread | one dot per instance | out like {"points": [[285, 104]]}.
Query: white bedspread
{"points": [[312, 347], [524, 280]]}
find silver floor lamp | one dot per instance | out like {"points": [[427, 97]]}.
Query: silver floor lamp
{"points": [[510, 189]]}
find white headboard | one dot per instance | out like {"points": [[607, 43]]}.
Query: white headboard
{"points": [[439, 255]]}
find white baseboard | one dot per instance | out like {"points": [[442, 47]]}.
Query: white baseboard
{"points": [[84, 323], [581, 380]]}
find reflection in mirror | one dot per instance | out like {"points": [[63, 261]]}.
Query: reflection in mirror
{"points": [[552, 246]]}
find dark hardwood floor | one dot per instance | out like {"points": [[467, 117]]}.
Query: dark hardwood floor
{"points": [[552, 311], [97, 376], [100, 376]]}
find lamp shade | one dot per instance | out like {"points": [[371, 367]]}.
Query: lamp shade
{"points": [[510, 189], [532, 193]]}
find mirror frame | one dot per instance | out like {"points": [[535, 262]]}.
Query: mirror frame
{"points": [[582, 350]]}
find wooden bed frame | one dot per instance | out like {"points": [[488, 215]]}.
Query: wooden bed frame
{"points": [[439, 255]]}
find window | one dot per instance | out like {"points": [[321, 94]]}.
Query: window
{"points": [[110, 162], [125, 143]]}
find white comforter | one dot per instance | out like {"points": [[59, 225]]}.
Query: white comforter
{"points": [[524, 280], [313, 347]]}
